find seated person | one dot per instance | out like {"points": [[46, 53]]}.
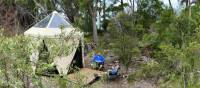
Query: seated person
{"points": [[114, 69]]}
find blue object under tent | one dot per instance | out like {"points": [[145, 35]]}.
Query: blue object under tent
{"points": [[99, 59]]}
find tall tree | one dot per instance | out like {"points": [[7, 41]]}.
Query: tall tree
{"points": [[122, 4], [149, 11], [104, 14], [71, 9], [170, 3], [93, 5], [16, 16], [90, 8], [124, 41], [133, 5], [186, 2]]}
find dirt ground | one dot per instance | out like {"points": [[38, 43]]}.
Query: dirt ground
{"points": [[120, 82]]}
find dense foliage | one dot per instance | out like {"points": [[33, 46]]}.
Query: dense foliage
{"points": [[174, 49], [167, 36], [15, 69]]}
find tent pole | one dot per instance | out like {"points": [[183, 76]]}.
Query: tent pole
{"points": [[82, 46]]}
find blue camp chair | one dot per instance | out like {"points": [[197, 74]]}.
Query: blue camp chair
{"points": [[114, 71]]}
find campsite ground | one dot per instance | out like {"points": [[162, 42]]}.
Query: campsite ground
{"points": [[120, 82]]}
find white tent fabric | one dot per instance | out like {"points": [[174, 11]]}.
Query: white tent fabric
{"points": [[50, 27], [48, 32]]}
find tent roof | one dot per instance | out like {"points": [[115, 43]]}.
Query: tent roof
{"points": [[50, 26], [54, 20]]}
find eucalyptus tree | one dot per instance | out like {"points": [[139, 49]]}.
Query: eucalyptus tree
{"points": [[170, 3], [148, 11], [16, 16], [124, 39], [186, 2], [91, 6]]}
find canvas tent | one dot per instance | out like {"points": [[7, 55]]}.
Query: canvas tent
{"points": [[53, 27]]}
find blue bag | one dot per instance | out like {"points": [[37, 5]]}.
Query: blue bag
{"points": [[99, 59]]}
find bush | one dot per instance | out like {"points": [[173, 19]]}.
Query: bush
{"points": [[149, 70]]}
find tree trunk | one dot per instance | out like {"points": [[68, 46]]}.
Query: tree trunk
{"points": [[43, 8], [7, 78], [95, 36], [133, 6], [187, 3], [185, 79], [190, 9], [93, 13], [170, 5], [104, 14], [122, 3]]}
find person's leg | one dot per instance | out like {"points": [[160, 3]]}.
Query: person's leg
{"points": [[109, 72]]}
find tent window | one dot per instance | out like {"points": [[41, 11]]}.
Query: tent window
{"points": [[57, 21], [43, 23]]}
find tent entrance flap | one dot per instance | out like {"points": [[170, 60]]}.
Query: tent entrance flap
{"points": [[77, 61], [63, 64]]}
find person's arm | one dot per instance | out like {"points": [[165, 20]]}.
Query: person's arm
{"points": [[101, 66]]}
